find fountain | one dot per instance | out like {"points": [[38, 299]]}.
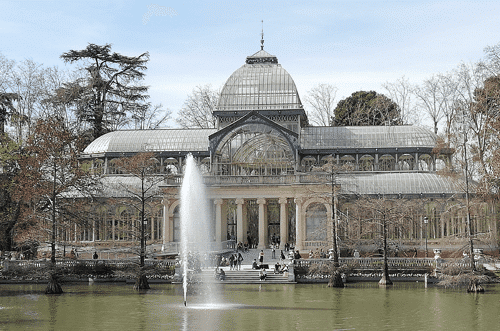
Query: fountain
{"points": [[195, 223]]}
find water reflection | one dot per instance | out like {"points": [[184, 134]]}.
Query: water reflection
{"points": [[248, 307]]}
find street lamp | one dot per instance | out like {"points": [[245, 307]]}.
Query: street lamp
{"points": [[426, 221]]}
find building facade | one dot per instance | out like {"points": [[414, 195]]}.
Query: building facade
{"points": [[270, 175]]}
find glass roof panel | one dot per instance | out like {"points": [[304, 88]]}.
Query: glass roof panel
{"points": [[398, 183], [262, 86], [366, 137], [151, 140]]}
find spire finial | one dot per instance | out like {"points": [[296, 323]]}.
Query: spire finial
{"points": [[262, 36]]}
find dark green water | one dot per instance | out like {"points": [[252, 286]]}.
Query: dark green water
{"points": [[249, 307]]}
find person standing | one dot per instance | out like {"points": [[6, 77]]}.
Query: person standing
{"points": [[239, 260], [261, 256], [231, 262]]}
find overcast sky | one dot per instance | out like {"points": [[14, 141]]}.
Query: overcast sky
{"points": [[352, 45]]}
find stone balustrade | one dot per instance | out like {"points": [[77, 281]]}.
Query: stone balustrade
{"points": [[255, 180], [27, 264]]}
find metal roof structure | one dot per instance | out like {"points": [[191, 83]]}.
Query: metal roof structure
{"points": [[394, 183], [260, 84], [133, 141], [366, 137]]}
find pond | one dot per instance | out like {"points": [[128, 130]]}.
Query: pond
{"points": [[405, 306]]}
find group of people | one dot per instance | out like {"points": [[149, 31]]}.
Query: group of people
{"points": [[280, 268], [235, 261], [242, 247], [318, 254]]}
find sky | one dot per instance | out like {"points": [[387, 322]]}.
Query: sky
{"points": [[353, 45]]}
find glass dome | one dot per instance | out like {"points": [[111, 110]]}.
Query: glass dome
{"points": [[260, 84]]}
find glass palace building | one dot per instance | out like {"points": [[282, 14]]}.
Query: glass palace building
{"points": [[262, 166]]}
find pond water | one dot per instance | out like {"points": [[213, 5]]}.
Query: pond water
{"points": [[249, 307]]}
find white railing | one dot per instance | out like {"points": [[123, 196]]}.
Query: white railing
{"points": [[255, 180]]}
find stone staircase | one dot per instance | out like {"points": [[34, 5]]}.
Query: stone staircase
{"points": [[246, 276]]}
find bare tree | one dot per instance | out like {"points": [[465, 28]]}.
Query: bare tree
{"points": [[492, 61], [430, 100], [321, 99], [142, 191], [383, 215], [401, 92], [150, 118], [470, 79], [198, 108], [50, 172]]}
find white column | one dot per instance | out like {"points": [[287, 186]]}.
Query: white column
{"points": [[262, 223], [283, 222], [299, 225], [218, 220], [240, 234], [166, 223], [153, 221]]}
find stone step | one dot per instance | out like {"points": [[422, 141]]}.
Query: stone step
{"points": [[246, 276]]}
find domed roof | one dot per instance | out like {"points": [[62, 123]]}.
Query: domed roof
{"points": [[133, 141], [260, 84]]}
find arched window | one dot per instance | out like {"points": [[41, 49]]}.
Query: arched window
{"points": [[113, 169], [98, 167], [205, 165], [405, 162], [316, 222], [441, 162], [327, 159], [386, 162], [366, 163], [171, 166], [254, 149], [307, 163], [123, 226], [425, 162], [347, 160]]}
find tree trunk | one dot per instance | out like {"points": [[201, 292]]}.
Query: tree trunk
{"points": [[141, 282], [336, 280], [474, 286], [385, 281], [54, 285]]}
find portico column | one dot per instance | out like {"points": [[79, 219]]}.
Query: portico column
{"points": [[152, 221], [240, 234], [299, 225], [218, 220], [166, 223], [283, 222], [262, 223]]}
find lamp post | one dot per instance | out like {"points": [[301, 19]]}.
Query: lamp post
{"points": [[426, 221]]}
